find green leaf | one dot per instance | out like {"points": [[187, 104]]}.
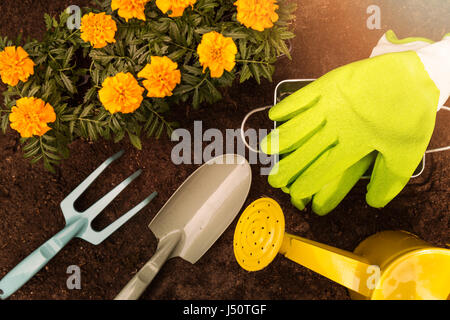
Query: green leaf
{"points": [[48, 21], [159, 131], [216, 95], [92, 132], [236, 35], [177, 55], [194, 70], [254, 68], [90, 94], [174, 32], [36, 159], [68, 83], [245, 73], [96, 76], [32, 152], [152, 128], [196, 99], [33, 91], [32, 144], [101, 57], [4, 123], [48, 166], [243, 49], [41, 59], [68, 56], [135, 141], [119, 136]]}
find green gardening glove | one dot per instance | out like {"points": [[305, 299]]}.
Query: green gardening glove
{"points": [[383, 108], [329, 197]]}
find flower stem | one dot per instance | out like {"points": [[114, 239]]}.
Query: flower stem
{"points": [[201, 82], [17, 92], [253, 61], [180, 46], [90, 120], [70, 36]]}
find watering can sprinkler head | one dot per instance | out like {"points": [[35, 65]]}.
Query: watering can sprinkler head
{"points": [[259, 234], [388, 265]]}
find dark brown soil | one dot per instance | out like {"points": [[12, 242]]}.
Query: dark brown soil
{"points": [[329, 34]]}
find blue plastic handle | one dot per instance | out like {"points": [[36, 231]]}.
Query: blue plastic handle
{"points": [[32, 264]]}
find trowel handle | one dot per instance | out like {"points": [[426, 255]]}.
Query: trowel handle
{"points": [[136, 286], [32, 264]]}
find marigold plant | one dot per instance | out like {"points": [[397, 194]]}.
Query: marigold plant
{"points": [[257, 14], [121, 93], [129, 9], [176, 7], [161, 77], [31, 116], [130, 63], [218, 53], [98, 29], [15, 65]]}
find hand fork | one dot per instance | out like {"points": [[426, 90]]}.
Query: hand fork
{"points": [[78, 224]]}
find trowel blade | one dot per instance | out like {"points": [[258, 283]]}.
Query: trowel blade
{"points": [[204, 205]]}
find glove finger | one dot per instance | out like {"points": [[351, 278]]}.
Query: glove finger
{"points": [[290, 167], [292, 134], [300, 204], [296, 103], [329, 197], [330, 165], [385, 183]]}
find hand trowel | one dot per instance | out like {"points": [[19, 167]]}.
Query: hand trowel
{"points": [[195, 216]]}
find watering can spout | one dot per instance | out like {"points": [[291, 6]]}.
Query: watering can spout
{"points": [[345, 268]]}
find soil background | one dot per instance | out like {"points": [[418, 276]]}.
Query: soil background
{"points": [[329, 34]]}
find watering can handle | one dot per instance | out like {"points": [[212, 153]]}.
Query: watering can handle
{"points": [[338, 265], [32, 264], [136, 286]]}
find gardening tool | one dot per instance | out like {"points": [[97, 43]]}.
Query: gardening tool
{"points": [[78, 224], [195, 216], [387, 265]]}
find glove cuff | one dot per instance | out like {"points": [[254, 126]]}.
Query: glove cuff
{"points": [[390, 43], [436, 59]]}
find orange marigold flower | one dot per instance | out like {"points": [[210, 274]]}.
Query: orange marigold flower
{"points": [[218, 53], [15, 65], [121, 93], [162, 76], [257, 14], [30, 117], [99, 29], [129, 9], [175, 6]]}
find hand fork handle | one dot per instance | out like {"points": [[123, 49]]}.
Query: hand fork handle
{"points": [[32, 264], [136, 286]]}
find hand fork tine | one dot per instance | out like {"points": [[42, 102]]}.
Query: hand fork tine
{"points": [[76, 193], [96, 238], [103, 202]]}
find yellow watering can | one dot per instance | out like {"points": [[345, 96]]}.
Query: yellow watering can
{"points": [[388, 265]]}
